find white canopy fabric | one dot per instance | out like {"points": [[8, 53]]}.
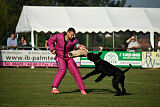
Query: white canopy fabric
{"points": [[89, 19]]}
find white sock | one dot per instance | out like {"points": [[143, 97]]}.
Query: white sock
{"points": [[54, 88]]}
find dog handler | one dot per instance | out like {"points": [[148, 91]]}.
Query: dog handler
{"points": [[64, 44]]}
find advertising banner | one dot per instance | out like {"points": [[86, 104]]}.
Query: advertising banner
{"points": [[28, 58], [117, 58], [151, 59]]}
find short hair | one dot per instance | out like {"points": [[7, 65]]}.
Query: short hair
{"points": [[13, 34], [50, 33], [23, 37], [71, 30]]}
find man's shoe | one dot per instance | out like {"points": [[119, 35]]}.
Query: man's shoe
{"points": [[55, 91], [83, 92]]}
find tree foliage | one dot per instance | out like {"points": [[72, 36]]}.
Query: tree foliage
{"points": [[10, 11]]}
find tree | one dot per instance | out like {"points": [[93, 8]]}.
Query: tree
{"points": [[109, 3], [10, 11]]}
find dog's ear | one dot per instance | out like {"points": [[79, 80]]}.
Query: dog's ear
{"points": [[100, 53]]}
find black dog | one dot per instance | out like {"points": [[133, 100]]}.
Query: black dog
{"points": [[107, 69]]}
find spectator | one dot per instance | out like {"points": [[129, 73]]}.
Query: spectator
{"points": [[132, 44], [158, 50], [22, 42], [12, 42], [46, 42]]}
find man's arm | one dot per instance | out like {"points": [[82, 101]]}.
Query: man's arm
{"points": [[159, 44], [77, 45], [46, 42], [11, 45], [127, 41], [15, 43], [8, 43], [51, 42]]}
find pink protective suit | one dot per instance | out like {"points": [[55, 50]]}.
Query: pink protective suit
{"points": [[63, 61]]}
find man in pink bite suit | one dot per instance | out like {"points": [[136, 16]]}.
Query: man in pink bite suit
{"points": [[64, 44]]}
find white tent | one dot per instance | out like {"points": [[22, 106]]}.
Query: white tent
{"points": [[89, 19]]}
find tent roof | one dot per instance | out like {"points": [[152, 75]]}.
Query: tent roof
{"points": [[88, 19]]}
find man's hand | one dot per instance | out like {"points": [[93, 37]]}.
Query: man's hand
{"points": [[128, 40], [13, 46], [46, 46], [53, 52], [135, 46]]}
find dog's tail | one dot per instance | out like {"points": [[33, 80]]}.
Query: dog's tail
{"points": [[127, 68]]}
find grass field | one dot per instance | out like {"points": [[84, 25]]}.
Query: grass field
{"points": [[25, 87]]}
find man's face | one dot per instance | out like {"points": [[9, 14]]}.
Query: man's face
{"points": [[12, 36], [133, 38], [70, 34]]}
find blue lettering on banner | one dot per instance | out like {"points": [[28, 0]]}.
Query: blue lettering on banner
{"points": [[150, 62], [157, 55]]}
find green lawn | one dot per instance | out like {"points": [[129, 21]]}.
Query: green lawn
{"points": [[25, 87]]}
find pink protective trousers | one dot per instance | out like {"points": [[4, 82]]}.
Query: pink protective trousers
{"points": [[63, 64]]}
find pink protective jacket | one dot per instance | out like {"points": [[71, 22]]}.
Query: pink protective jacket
{"points": [[62, 48]]}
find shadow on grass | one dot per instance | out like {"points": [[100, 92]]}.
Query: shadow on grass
{"points": [[96, 91], [92, 90], [99, 91]]}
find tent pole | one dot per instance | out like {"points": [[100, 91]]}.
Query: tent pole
{"points": [[87, 40], [17, 40], [104, 42], [17, 36], [113, 39], [32, 39], [152, 39], [36, 39]]}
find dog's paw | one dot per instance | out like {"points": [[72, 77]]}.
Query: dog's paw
{"points": [[123, 93], [118, 94]]}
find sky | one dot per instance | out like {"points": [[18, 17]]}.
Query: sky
{"points": [[144, 3]]}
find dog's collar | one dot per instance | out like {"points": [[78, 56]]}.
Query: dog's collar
{"points": [[98, 61]]}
